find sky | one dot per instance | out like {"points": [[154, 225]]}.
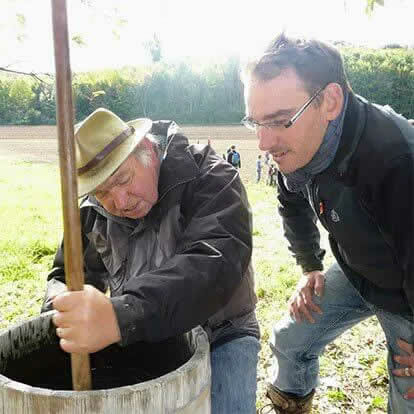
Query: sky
{"points": [[188, 28]]}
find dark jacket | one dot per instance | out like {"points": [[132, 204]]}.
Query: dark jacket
{"points": [[230, 157], [365, 200], [186, 263]]}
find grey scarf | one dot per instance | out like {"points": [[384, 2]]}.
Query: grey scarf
{"points": [[298, 179]]}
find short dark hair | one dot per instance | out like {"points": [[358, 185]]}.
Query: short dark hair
{"points": [[316, 63]]}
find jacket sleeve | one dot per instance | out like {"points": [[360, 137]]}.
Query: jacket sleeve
{"points": [[212, 255], [299, 225], [94, 269], [395, 205]]}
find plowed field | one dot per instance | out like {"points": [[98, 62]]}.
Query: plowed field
{"points": [[39, 144]]}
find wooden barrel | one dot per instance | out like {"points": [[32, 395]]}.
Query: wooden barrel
{"points": [[185, 389]]}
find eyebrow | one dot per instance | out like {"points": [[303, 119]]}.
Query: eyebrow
{"points": [[115, 180], [280, 112]]}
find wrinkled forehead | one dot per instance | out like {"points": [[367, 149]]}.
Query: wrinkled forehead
{"points": [[122, 170]]}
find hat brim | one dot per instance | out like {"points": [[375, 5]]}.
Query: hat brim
{"points": [[93, 178]]}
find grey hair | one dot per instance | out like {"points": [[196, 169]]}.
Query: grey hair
{"points": [[143, 154]]}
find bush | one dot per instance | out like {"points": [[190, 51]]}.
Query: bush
{"points": [[383, 76]]}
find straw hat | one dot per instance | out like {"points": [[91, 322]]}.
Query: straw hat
{"points": [[102, 142]]}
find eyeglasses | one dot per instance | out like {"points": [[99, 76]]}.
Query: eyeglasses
{"points": [[254, 125]]}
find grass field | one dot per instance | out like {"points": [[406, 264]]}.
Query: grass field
{"points": [[353, 371]]}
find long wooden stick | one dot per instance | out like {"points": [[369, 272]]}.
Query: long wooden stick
{"points": [[81, 373]]}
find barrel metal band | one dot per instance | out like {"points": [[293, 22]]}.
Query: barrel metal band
{"points": [[107, 150]]}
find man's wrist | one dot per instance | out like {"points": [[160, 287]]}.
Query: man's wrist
{"points": [[312, 267]]}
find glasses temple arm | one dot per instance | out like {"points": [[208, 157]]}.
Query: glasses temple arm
{"points": [[301, 110]]}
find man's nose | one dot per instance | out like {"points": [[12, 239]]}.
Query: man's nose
{"points": [[267, 138], [120, 198]]}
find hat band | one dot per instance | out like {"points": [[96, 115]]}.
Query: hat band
{"points": [[107, 150]]}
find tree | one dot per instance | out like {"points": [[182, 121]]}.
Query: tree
{"points": [[371, 4], [16, 27]]}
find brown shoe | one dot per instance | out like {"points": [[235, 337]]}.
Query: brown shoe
{"points": [[285, 404]]}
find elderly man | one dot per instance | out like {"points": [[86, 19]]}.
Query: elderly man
{"points": [[167, 226], [350, 164]]}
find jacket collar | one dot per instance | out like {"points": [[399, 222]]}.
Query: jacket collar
{"points": [[177, 167], [354, 124]]}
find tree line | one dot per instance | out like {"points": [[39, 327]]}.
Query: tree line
{"points": [[190, 92]]}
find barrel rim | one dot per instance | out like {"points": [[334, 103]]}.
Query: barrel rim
{"points": [[202, 347]]}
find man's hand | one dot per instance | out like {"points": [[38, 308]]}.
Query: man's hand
{"points": [[85, 321], [301, 304], [408, 360]]}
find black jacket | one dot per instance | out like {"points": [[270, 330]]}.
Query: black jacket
{"points": [[365, 200], [186, 263]]}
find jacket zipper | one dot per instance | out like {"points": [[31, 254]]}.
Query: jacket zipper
{"points": [[318, 204]]}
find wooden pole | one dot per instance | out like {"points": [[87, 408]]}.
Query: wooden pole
{"points": [[81, 373]]}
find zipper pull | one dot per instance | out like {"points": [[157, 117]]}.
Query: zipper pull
{"points": [[321, 208]]}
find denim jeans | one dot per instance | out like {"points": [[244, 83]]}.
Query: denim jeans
{"points": [[297, 346], [233, 376]]}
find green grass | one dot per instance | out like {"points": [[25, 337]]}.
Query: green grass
{"points": [[31, 230], [353, 369]]}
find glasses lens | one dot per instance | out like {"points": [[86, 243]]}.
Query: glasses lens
{"points": [[249, 123]]}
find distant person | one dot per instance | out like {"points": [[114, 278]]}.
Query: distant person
{"points": [[166, 226], [259, 167], [230, 155], [350, 164], [235, 159], [271, 175], [267, 158]]}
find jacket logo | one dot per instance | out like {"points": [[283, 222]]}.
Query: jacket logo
{"points": [[334, 216]]}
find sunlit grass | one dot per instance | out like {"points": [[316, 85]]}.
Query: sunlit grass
{"points": [[31, 229]]}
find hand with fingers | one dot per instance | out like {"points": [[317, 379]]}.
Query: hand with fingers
{"points": [[301, 304], [408, 360], [85, 321]]}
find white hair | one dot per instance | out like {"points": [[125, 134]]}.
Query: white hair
{"points": [[143, 154]]}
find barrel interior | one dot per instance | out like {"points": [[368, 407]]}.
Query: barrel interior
{"points": [[41, 363]]}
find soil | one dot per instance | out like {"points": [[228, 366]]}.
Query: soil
{"points": [[38, 144]]}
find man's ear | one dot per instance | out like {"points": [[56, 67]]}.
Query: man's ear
{"points": [[150, 147], [333, 101], [147, 144]]}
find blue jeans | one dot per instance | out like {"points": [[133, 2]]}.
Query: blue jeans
{"points": [[233, 376], [297, 346]]}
